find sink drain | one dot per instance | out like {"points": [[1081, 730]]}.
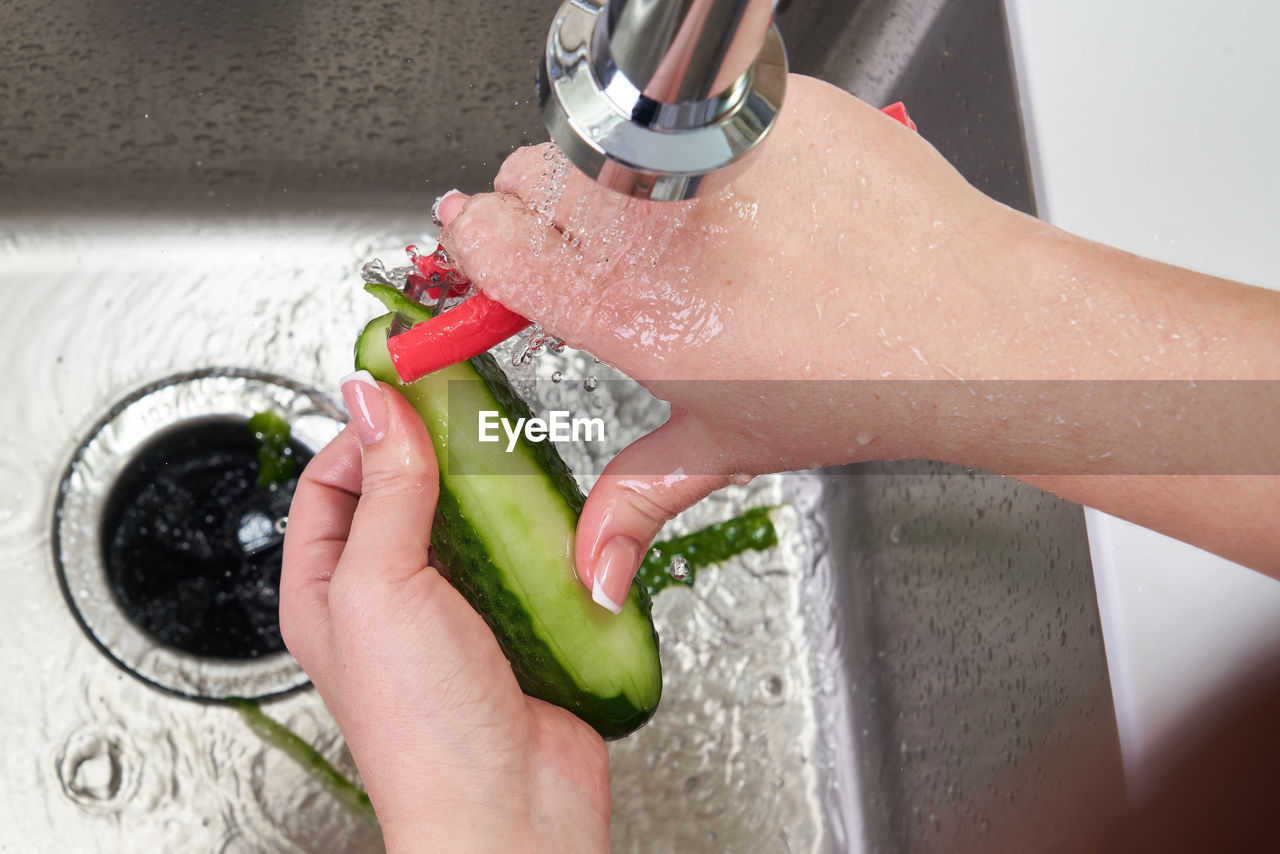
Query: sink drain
{"points": [[167, 548], [191, 543]]}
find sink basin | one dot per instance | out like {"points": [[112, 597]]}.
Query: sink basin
{"points": [[195, 186]]}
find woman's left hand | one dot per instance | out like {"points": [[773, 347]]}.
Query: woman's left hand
{"points": [[453, 754]]}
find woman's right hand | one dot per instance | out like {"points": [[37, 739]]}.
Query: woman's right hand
{"points": [[848, 252], [813, 265]]}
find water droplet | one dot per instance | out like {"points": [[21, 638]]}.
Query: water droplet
{"points": [[375, 271], [95, 770], [656, 553], [557, 376], [678, 568], [590, 384]]}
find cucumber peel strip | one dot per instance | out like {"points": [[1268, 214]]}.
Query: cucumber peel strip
{"points": [[281, 737], [753, 530]]}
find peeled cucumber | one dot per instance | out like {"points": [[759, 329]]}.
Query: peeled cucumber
{"points": [[504, 528]]}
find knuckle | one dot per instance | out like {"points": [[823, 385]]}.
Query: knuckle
{"points": [[352, 601], [470, 231], [389, 484], [517, 172], [659, 508]]}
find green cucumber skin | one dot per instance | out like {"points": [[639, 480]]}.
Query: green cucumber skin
{"points": [[717, 543], [271, 436], [477, 575]]}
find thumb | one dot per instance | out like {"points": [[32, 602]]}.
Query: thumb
{"points": [[399, 484], [644, 486]]}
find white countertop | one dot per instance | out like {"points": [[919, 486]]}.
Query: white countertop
{"points": [[1154, 126]]}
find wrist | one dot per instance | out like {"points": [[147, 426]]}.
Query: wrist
{"points": [[445, 826], [552, 820]]}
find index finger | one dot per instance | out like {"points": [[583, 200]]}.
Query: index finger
{"points": [[543, 178], [319, 523]]}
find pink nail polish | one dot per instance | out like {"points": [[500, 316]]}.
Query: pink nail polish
{"points": [[366, 405], [618, 561]]}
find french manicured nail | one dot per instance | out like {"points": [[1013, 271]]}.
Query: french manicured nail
{"points": [[618, 561], [366, 404]]}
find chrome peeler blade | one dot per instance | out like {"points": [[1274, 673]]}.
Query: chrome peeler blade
{"points": [[414, 290]]}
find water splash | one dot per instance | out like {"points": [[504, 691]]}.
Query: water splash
{"points": [[534, 343], [376, 271]]}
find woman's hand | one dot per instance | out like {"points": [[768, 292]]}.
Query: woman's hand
{"points": [[852, 253], [454, 756], [820, 262]]}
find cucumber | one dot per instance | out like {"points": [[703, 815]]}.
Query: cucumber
{"points": [[505, 527]]}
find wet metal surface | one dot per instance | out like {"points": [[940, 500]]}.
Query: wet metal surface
{"points": [[191, 186], [96, 759]]}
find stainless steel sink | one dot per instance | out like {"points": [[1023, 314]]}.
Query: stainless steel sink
{"points": [[194, 186]]}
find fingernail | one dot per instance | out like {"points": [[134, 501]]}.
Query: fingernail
{"points": [[366, 405], [618, 561], [447, 207]]}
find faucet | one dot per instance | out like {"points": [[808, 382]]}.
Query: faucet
{"points": [[662, 99]]}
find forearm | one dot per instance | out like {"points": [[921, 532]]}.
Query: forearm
{"points": [[1106, 314], [1168, 418], [1230, 515]]}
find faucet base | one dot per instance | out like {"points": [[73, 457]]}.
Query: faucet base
{"points": [[635, 145]]}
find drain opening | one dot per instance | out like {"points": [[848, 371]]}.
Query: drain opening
{"points": [[168, 550], [192, 543]]}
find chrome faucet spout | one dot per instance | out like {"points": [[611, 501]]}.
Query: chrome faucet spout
{"points": [[662, 99]]}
